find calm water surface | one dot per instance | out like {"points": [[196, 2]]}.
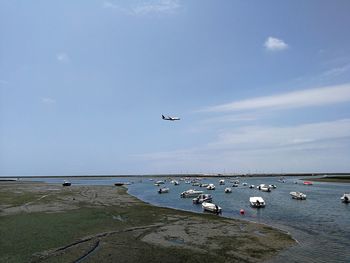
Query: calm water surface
{"points": [[321, 223]]}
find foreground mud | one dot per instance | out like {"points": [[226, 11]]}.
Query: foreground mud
{"points": [[50, 223]]}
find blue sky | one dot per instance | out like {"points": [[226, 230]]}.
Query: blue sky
{"points": [[260, 86]]}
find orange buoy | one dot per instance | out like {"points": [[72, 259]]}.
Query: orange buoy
{"points": [[242, 211]]}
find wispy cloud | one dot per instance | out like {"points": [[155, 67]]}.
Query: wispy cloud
{"points": [[264, 147], [48, 100], [145, 7], [297, 99], [253, 137], [334, 72], [275, 44], [63, 57]]}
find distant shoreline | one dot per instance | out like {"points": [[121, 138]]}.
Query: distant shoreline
{"points": [[12, 178], [332, 179]]}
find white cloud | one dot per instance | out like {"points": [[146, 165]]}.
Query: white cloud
{"points": [[146, 7], [48, 100], [253, 137], [63, 57], [307, 147], [275, 44], [297, 99], [334, 72]]}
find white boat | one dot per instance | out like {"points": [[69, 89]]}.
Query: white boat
{"points": [[244, 184], [202, 198], [257, 201], [210, 207], [251, 186], [211, 187], [195, 184], [272, 186], [235, 185], [203, 185], [228, 190], [222, 182], [190, 193], [163, 190], [345, 198], [160, 182], [298, 195], [264, 188], [176, 182]]}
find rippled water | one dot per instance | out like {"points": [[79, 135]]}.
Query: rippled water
{"points": [[321, 223]]}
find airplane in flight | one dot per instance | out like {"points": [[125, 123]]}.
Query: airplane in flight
{"points": [[168, 118]]}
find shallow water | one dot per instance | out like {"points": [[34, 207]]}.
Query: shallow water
{"points": [[321, 223]]}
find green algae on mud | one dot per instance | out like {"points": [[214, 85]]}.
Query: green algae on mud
{"points": [[105, 224]]}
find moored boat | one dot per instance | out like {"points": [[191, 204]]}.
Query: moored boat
{"points": [[345, 198], [257, 202], [211, 187], [163, 190], [202, 198], [228, 190], [210, 207], [190, 193], [66, 183], [298, 195], [251, 186], [160, 182], [307, 183], [222, 182]]}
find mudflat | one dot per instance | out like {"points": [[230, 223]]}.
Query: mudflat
{"points": [[49, 223]]}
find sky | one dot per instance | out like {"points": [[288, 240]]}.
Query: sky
{"points": [[260, 86]]}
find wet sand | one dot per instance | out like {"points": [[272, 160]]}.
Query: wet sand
{"points": [[50, 223]]}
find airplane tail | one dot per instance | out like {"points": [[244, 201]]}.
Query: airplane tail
{"points": [[163, 117]]}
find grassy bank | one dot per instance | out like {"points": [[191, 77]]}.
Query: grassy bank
{"points": [[334, 179], [49, 223]]}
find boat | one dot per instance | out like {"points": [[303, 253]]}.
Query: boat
{"points": [[190, 193], [118, 184], [222, 182], [282, 180], [228, 190], [66, 183], [307, 183], [163, 190], [195, 184], [211, 187], [345, 198], [202, 198], [160, 182], [235, 185], [265, 189], [251, 186], [298, 195], [272, 186], [210, 207], [203, 185], [244, 184], [257, 202]]}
